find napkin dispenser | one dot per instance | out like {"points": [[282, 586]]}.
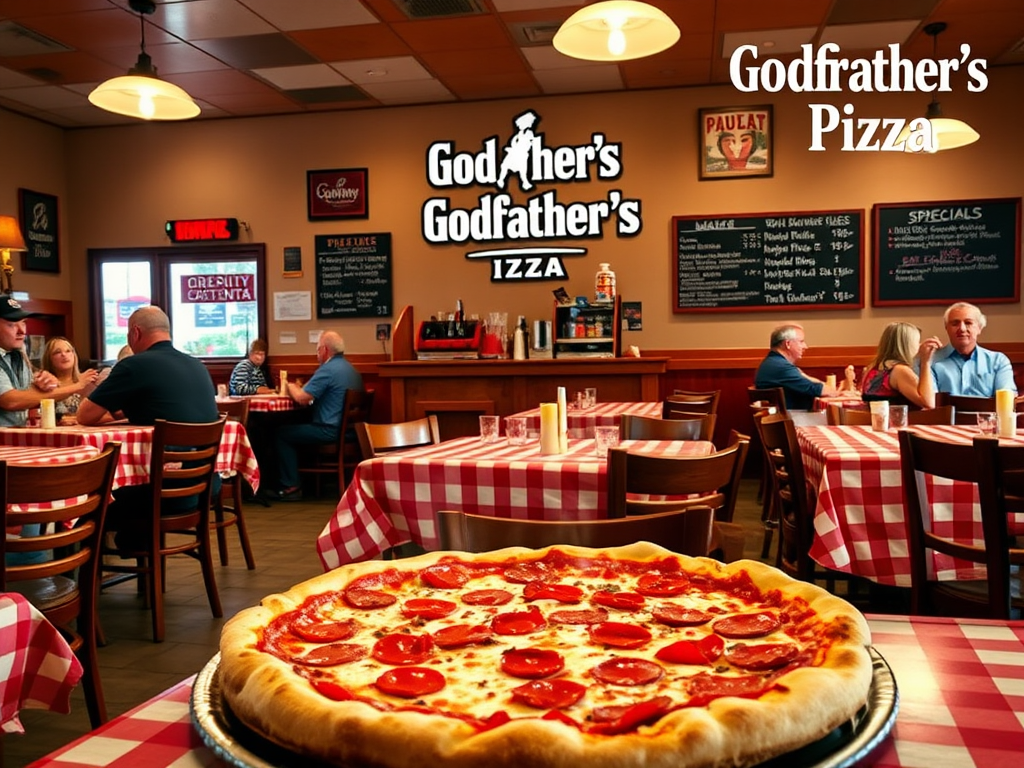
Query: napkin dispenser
{"points": [[434, 343]]}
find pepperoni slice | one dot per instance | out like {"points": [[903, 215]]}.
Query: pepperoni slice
{"points": [[320, 631], [459, 635], [624, 601], [627, 671], [703, 651], [487, 597], [518, 622], [369, 598], [706, 687], [549, 694], [620, 635], [563, 593], [410, 682], [593, 616], [678, 616], [628, 718], [331, 655], [332, 690], [762, 656], [747, 625], [614, 712], [531, 662], [427, 608], [446, 576], [401, 649], [524, 573], [661, 585]]}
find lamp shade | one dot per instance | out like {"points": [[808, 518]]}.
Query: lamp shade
{"points": [[148, 98], [10, 235], [947, 132], [616, 30]]}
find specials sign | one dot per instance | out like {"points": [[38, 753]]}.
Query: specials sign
{"points": [[527, 160]]}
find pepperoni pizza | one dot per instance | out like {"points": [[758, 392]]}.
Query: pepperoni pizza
{"points": [[552, 658]]}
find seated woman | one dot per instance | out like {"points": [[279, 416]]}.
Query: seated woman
{"points": [[891, 375], [60, 359], [248, 378]]}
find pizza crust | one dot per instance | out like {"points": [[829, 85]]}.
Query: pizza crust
{"points": [[808, 703]]}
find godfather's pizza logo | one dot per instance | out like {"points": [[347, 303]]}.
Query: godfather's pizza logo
{"points": [[525, 160]]}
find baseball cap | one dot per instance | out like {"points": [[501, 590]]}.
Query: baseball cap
{"points": [[10, 309]]}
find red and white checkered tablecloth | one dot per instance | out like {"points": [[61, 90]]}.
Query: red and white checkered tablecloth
{"points": [[37, 667], [235, 453], [392, 499], [270, 403], [581, 421], [960, 683], [859, 525]]}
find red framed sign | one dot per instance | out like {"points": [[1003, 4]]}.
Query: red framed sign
{"points": [[341, 193]]}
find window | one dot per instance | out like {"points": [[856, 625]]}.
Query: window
{"points": [[213, 296]]}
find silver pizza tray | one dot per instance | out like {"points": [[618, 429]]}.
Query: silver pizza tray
{"points": [[237, 745]]}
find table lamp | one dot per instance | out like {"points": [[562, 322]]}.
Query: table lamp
{"points": [[10, 240]]}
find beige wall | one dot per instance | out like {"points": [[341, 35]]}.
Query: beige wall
{"points": [[118, 186]]}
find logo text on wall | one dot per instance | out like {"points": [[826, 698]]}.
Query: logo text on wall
{"points": [[527, 159]]}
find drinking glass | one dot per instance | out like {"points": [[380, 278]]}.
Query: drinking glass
{"points": [[898, 416], [605, 437], [987, 423], [880, 415], [489, 429], [590, 397], [515, 430]]}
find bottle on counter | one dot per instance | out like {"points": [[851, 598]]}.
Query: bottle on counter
{"points": [[519, 340], [604, 283], [460, 320]]}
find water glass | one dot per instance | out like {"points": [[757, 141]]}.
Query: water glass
{"points": [[987, 423], [880, 415], [515, 430], [590, 397], [222, 390], [898, 416], [604, 438], [489, 429]]}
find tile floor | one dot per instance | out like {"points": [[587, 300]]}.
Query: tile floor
{"points": [[134, 669]]}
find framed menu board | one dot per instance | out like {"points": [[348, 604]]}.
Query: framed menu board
{"points": [[353, 275], [945, 251], [773, 261]]}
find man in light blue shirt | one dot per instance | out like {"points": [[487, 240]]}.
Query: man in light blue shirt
{"points": [[964, 368]]}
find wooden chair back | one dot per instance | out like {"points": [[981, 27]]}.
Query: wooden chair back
{"points": [[236, 409], [181, 480], [696, 427], [686, 531], [685, 401], [998, 475], [967, 406], [762, 402], [66, 504], [379, 439], [940, 414], [340, 459], [226, 515], [770, 397], [711, 480]]}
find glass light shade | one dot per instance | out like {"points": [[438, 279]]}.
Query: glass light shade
{"points": [[948, 132], [616, 30], [148, 98]]}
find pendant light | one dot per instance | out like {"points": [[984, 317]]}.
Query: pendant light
{"points": [[141, 93], [947, 132], [616, 30]]}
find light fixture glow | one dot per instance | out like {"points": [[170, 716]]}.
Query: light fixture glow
{"points": [[10, 240], [616, 30], [141, 93]]}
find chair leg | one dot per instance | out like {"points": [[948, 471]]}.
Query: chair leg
{"points": [[91, 685], [209, 578], [243, 532], [156, 595]]}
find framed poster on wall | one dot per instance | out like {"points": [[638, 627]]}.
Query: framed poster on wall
{"points": [[341, 193], [38, 215]]}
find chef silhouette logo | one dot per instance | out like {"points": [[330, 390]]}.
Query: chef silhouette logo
{"points": [[517, 152]]}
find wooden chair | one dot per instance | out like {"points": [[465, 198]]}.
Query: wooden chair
{"points": [[836, 413], [998, 473], [943, 414], [764, 401], [339, 459], [697, 427], [711, 480], [379, 439], [690, 402], [65, 588], [967, 406], [181, 468], [226, 516], [686, 531]]}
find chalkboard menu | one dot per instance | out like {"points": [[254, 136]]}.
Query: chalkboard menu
{"points": [[953, 250], [742, 262], [353, 275]]}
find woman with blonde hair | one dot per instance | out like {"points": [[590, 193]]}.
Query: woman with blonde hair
{"points": [[891, 375], [61, 359]]}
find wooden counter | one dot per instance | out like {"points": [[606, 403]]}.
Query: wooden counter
{"points": [[458, 391]]}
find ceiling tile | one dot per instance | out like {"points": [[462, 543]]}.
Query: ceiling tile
{"points": [[256, 51], [855, 37], [603, 78], [443, 63], [311, 14], [769, 42], [46, 97], [410, 92], [341, 43], [497, 86], [205, 19], [453, 34], [389, 70], [308, 76], [332, 95]]}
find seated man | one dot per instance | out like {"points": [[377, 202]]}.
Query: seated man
{"points": [[325, 391], [779, 369], [964, 368]]}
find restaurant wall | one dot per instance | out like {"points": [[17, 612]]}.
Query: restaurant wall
{"points": [[123, 183]]}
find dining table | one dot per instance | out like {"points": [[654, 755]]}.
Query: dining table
{"points": [[38, 669], [268, 403], [235, 454], [581, 422], [859, 524], [392, 499], [959, 683]]}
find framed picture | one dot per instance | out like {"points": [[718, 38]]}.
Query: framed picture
{"points": [[38, 214], [341, 193], [736, 142]]}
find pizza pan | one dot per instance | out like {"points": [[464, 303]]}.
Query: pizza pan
{"points": [[845, 746]]}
